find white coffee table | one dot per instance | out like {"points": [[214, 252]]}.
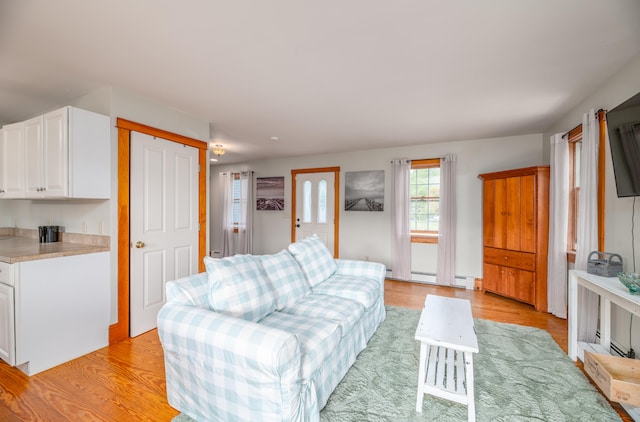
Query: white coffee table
{"points": [[447, 344]]}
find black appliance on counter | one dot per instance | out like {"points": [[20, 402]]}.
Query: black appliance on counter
{"points": [[48, 234]]}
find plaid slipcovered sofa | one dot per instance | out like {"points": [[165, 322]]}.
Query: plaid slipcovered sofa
{"points": [[268, 337]]}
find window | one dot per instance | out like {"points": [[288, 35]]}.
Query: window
{"points": [[306, 202], [322, 201], [424, 193], [575, 150], [236, 200], [575, 147]]}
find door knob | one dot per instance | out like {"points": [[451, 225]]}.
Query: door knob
{"points": [[140, 244], [297, 225]]}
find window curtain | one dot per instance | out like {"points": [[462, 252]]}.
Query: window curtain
{"points": [[558, 227], [587, 231], [400, 229], [245, 217], [226, 187], [237, 238], [445, 273]]}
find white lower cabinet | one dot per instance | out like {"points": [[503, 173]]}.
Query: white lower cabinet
{"points": [[7, 325], [61, 310]]}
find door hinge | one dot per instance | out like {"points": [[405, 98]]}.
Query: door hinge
{"points": [[198, 168]]}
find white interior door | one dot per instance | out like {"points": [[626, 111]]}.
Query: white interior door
{"points": [[163, 223], [315, 211]]}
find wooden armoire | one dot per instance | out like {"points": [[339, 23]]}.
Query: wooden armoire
{"points": [[516, 234]]}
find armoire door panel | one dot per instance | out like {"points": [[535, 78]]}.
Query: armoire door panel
{"points": [[512, 214], [489, 211], [501, 214], [528, 214], [493, 281]]}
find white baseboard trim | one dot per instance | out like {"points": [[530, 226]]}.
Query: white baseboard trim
{"points": [[466, 282]]}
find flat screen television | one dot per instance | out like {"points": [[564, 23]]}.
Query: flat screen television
{"points": [[623, 126]]}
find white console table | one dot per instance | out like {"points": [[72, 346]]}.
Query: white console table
{"points": [[610, 290]]}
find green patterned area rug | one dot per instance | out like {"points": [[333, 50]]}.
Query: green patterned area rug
{"points": [[521, 374]]}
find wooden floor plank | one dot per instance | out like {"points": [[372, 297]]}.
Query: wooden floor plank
{"points": [[126, 381]]}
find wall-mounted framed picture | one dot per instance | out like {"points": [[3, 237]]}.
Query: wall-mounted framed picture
{"points": [[364, 190], [270, 193]]}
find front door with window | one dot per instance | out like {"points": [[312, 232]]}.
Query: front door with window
{"points": [[315, 207]]}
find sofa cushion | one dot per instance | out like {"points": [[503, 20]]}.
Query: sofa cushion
{"points": [[363, 290], [238, 287], [314, 258], [288, 280], [318, 337], [345, 312]]}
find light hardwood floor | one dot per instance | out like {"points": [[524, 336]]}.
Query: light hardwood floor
{"points": [[125, 381]]}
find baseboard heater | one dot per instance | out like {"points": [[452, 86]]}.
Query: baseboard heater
{"points": [[614, 346], [467, 282]]}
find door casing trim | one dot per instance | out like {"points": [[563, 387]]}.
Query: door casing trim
{"points": [[120, 330]]}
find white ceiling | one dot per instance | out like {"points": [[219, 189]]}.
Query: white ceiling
{"points": [[323, 76]]}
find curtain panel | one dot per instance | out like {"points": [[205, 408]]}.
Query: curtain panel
{"points": [[237, 215], [400, 228], [587, 230], [445, 273], [558, 227]]}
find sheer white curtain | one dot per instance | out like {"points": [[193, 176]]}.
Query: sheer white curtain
{"points": [[558, 227], [400, 229], [587, 231], [245, 214], [445, 273], [226, 187], [237, 215]]}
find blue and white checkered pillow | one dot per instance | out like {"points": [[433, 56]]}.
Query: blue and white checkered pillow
{"points": [[238, 287], [314, 258], [287, 279]]}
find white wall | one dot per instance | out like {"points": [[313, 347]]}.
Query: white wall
{"points": [[101, 216], [367, 234], [618, 211], [6, 214]]}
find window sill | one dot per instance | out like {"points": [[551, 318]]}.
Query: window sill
{"points": [[424, 239]]}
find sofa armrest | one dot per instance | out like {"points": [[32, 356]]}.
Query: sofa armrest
{"points": [[214, 339], [367, 269], [225, 368]]}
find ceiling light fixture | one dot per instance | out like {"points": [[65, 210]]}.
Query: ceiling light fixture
{"points": [[218, 150]]}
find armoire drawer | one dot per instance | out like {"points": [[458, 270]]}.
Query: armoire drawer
{"points": [[507, 258]]}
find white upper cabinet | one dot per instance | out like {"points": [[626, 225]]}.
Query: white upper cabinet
{"points": [[66, 155], [12, 161], [34, 164]]}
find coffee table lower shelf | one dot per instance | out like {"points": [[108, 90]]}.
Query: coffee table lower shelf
{"points": [[445, 373]]}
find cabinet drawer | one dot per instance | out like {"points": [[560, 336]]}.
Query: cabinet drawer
{"points": [[522, 260], [6, 273]]}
